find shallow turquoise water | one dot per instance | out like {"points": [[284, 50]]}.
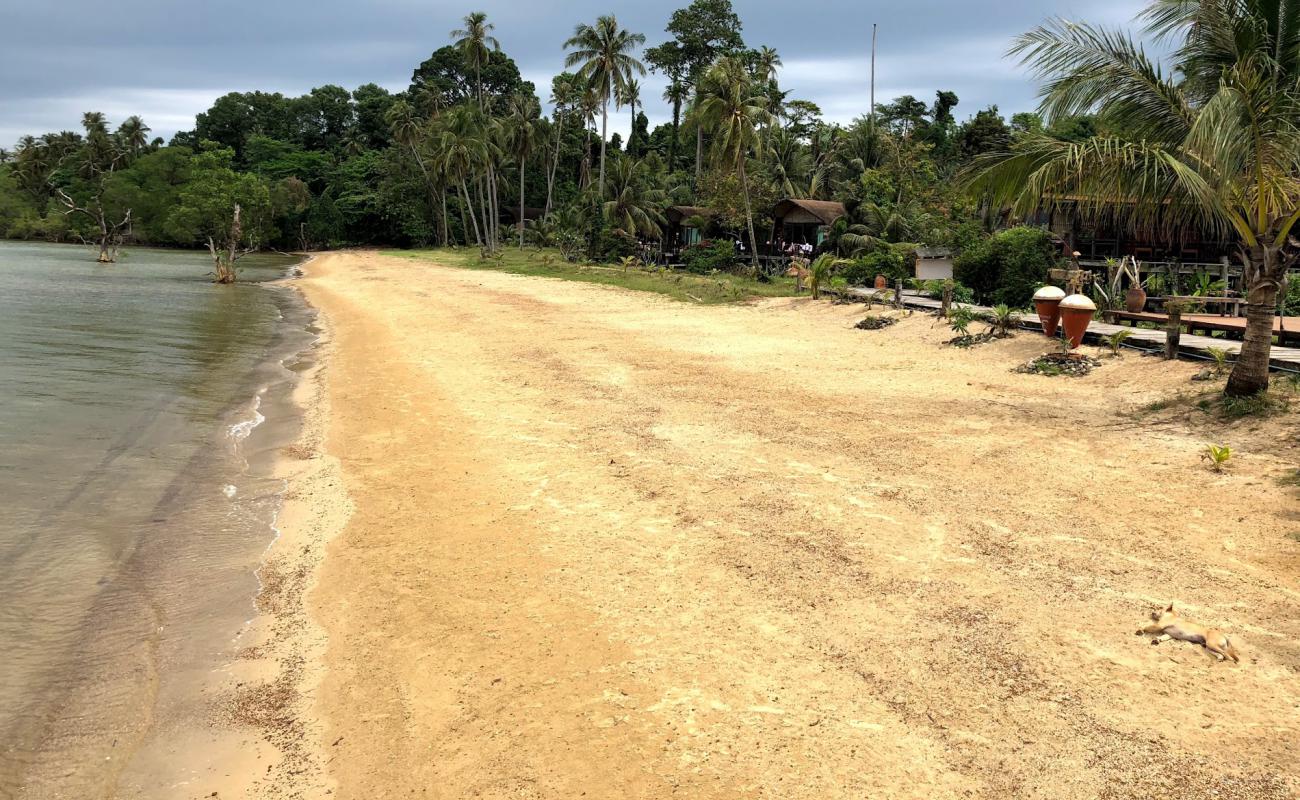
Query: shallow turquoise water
{"points": [[135, 498]]}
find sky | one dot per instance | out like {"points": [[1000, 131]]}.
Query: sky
{"points": [[167, 60]]}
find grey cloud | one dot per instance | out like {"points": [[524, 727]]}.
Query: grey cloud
{"points": [[168, 60]]}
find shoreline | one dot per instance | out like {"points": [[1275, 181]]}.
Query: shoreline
{"points": [[625, 565], [279, 665]]}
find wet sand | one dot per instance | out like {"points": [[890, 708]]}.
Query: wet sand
{"points": [[549, 540]]}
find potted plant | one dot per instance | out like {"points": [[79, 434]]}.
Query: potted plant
{"points": [[1135, 300]]}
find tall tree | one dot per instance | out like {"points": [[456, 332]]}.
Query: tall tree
{"points": [[734, 110], [604, 52], [701, 32], [629, 95], [676, 93], [521, 135], [476, 43], [1212, 143]]}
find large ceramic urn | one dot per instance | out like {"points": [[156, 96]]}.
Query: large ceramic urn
{"points": [[1047, 302], [1076, 315], [1135, 300]]}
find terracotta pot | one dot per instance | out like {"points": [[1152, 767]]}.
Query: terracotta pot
{"points": [[1047, 302], [1076, 315], [882, 282], [1135, 300]]}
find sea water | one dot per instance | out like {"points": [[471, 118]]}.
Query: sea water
{"points": [[140, 409]]}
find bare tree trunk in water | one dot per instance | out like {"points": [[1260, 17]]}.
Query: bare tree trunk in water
{"points": [[223, 259]]}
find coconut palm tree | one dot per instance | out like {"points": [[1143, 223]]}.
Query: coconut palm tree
{"points": [[412, 133], [521, 137], [630, 95], [1213, 142], [604, 53], [461, 151], [677, 93], [133, 135], [734, 111], [632, 203], [766, 64], [476, 42], [566, 96]]}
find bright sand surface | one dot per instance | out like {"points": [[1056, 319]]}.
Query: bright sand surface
{"points": [[552, 540]]}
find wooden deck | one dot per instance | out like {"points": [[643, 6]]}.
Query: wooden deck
{"points": [[1192, 345], [1286, 330]]}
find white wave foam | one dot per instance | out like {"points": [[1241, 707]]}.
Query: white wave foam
{"points": [[241, 430]]}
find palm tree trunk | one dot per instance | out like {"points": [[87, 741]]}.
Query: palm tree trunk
{"points": [[443, 195], [464, 190], [483, 212], [631, 132], [522, 163], [555, 163], [749, 215], [604, 131], [584, 178], [672, 146], [1250, 372], [699, 153]]}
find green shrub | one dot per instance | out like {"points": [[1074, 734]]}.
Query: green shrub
{"points": [[709, 255], [886, 261], [1007, 267], [1292, 301]]}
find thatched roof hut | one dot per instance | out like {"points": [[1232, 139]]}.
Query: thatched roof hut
{"points": [[804, 221]]}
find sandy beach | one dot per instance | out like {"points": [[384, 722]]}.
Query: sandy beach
{"points": [[554, 540]]}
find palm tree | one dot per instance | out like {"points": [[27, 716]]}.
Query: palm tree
{"points": [[630, 95], [409, 132], [133, 134], [766, 64], [588, 104], [521, 134], [604, 52], [734, 111], [460, 151], [632, 203], [677, 93], [476, 42], [565, 97], [1211, 143]]}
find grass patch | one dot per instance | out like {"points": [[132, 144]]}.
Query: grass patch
{"points": [[705, 289], [1264, 404], [1290, 479]]}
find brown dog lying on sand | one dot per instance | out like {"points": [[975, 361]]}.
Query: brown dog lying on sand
{"points": [[1168, 625]]}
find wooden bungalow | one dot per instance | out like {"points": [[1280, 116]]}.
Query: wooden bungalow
{"points": [[683, 229], [803, 221], [683, 225], [1097, 242], [509, 216]]}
